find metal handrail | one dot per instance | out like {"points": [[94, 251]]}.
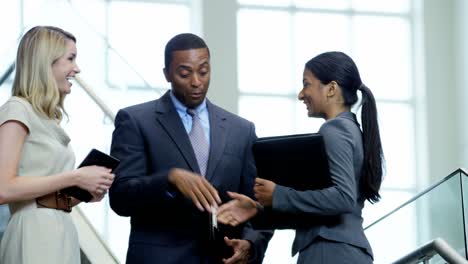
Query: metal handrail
{"points": [[425, 252], [91, 240], [78, 215], [7, 73], [90, 91], [110, 47], [99, 102]]}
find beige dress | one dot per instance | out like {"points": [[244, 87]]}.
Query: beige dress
{"points": [[39, 235]]}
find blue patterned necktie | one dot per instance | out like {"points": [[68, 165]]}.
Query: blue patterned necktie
{"points": [[199, 143]]}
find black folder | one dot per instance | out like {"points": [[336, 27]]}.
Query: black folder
{"points": [[297, 161], [94, 157]]}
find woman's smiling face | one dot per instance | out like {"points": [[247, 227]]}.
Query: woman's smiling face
{"points": [[65, 68], [313, 94]]}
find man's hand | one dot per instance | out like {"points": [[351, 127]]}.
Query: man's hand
{"points": [[196, 188], [264, 191], [237, 211], [241, 249]]}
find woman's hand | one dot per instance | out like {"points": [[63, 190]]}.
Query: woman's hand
{"points": [[95, 179], [97, 197], [264, 191], [238, 210]]}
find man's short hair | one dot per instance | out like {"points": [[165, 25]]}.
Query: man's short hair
{"points": [[184, 41]]}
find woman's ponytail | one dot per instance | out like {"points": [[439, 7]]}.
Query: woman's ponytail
{"points": [[373, 155], [339, 67]]}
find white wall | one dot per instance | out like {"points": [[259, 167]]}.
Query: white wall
{"points": [[446, 56], [220, 34], [461, 80], [442, 109]]}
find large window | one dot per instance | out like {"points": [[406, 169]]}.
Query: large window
{"points": [[139, 32], [276, 38]]}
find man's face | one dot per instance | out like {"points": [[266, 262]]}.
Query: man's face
{"points": [[189, 75]]}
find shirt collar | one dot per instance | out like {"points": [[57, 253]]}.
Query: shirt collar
{"points": [[181, 108]]}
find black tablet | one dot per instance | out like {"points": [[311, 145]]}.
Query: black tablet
{"points": [[94, 157]]}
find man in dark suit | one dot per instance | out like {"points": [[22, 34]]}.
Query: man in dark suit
{"points": [[170, 179]]}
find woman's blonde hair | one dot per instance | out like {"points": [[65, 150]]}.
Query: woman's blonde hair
{"points": [[34, 81]]}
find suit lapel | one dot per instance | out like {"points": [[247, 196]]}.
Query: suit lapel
{"points": [[169, 119], [218, 137]]}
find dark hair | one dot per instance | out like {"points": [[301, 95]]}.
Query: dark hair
{"points": [[184, 41], [339, 67]]}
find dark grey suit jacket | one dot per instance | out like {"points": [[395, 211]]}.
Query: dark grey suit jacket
{"points": [[150, 139], [342, 202]]}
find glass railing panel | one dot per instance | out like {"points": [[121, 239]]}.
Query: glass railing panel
{"points": [[437, 212], [445, 216], [464, 191]]}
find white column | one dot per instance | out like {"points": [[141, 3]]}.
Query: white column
{"points": [[219, 30], [442, 130], [461, 69]]}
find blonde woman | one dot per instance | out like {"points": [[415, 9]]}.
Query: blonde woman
{"points": [[36, 160]]}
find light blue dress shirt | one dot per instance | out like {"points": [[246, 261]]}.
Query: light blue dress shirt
{"points": [[202, 112]]}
